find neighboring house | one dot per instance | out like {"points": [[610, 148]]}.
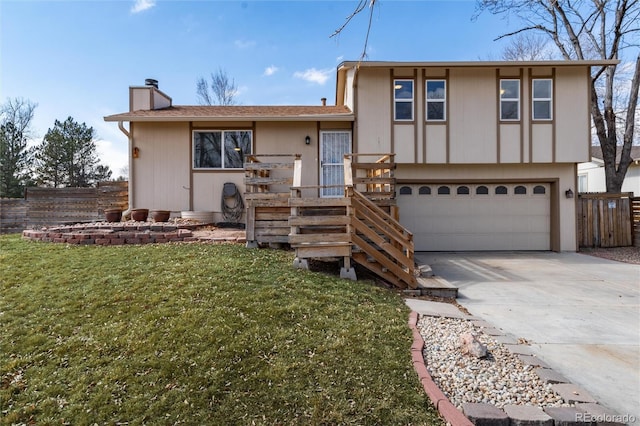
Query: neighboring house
{"points": [[591, 176], [486, 152]]}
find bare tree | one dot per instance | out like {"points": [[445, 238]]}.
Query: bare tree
{"points": [[359, 8], [527, 47], [591, 29], [221, 91]]}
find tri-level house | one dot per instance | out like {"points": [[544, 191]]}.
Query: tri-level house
{"points": [[464, 155]]}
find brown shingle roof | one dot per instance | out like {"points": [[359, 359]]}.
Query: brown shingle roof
{"points": [[238, 112], [596, 152]]}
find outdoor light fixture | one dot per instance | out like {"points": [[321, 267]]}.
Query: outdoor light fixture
{"points": [[136, 152], [568, 193], [307, 140]]}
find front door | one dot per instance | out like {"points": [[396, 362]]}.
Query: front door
{"points": [[333, 146]]}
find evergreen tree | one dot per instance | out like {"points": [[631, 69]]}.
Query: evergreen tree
{"points": [[15, 156], [67, 156]]}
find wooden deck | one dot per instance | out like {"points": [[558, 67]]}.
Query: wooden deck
{"points": [[360, 227]]}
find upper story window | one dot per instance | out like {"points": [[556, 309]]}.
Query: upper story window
{"points": [[403, 100], [509, 100], [542, 98], [436, 100], [221, 149]]}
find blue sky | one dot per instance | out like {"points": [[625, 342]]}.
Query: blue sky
{"points": [[78, 58]]}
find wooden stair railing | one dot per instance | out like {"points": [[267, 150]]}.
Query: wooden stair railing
{"points": [[268, 178], [380, 243]]}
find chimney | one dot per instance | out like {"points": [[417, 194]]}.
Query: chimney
{"points": [[324, 101], [148, 97]]}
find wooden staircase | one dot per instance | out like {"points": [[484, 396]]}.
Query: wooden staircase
{"points": [[361, 227]]}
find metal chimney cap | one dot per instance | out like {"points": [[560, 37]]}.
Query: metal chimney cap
{"points": [[151, 82]]}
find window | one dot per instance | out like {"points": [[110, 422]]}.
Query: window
{"points": [[501, 190], [582, 183], [539, 189], [462, 190], [436, 100], [510, 100], [403, 100], [542, 97], [520, 190], [482, 190], [405, 190], [424, 190], [444, 190], [221, 149]]}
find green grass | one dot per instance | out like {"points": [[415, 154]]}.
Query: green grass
{"points": [[197, 334]]}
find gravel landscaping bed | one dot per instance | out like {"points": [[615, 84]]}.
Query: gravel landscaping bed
{"points": [[620, 254], [500, 378]]}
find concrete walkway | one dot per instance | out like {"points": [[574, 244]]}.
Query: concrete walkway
{"points": [[581, 314]]}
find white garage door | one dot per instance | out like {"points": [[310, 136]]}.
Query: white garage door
{"points": [[460, 217]]}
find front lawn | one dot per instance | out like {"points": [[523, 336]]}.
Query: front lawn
{"points": [[197, 334]]}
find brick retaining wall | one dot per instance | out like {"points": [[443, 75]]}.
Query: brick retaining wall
{"points": [[109, 234]]}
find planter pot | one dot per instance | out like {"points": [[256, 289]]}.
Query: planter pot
{"points": [[160, 215], [113, 215], [199, 216], [139, 215]]}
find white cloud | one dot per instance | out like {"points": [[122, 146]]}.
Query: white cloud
{"points": [[112, 155], [271, 70], [244, 44], [314, 76], [142, 5]]}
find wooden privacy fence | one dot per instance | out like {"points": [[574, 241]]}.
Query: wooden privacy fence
{"points": [[605, 220], [56, 206]]}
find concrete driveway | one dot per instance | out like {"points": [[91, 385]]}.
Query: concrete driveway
{"points": [[580, 313]]}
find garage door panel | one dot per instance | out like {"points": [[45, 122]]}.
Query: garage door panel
{"points": [[456, 222]]}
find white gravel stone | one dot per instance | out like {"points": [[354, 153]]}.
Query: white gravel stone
{"points": [[500, 378]]}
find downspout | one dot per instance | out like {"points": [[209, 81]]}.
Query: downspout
{"points": [[129, 192]]}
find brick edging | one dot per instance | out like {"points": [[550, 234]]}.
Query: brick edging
{"points": [[446, 409], [115, 234]]}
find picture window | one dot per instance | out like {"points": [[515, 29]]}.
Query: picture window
{"points": [[221, 149]]}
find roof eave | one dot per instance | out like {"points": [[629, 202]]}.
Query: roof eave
{"points": [[325, 117], [478, 64]]}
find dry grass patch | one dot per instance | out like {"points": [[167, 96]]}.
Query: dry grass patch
{"points": [[197, 334]]}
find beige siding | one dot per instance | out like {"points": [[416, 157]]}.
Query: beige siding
{"points": [[348, 94], [374, 111], [436, 145], [161, 172], [472, 117], [288, 138], [572, 115], [207, 190], [404, 140], [510, 143], [542, 143], [140, 98]]}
